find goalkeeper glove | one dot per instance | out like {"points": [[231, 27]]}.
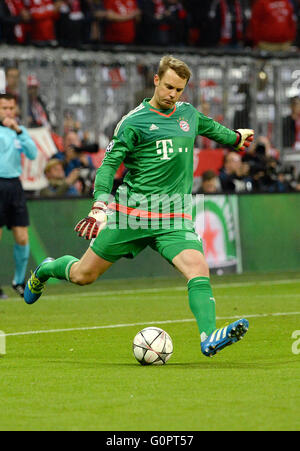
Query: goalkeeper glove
{"points": [[90, 226], [246, 138]]}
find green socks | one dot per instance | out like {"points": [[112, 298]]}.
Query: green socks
{"points": [[201, 299], [59, 269], [202, 304]]}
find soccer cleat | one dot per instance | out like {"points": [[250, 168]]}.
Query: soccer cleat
{"points": [[223, 337], [19, 288], [34, 287]]}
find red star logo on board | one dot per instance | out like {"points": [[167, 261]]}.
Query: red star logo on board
{"points": [[209, 236]]}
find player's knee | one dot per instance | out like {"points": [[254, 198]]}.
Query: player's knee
{"points": [[198, 270], [21, 235], [23, 241], [80, 278], [193, 264], [81, 275]]}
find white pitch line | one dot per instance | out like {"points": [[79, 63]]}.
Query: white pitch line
{"points": [[154, 290], [115, 326], [184, 288]]}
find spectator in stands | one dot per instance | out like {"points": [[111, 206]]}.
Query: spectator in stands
{"points": [[230, 173], [14, 20], [220, 22], [210, 183], [70, 123], [43, 15], [296, 6], [282, 183], [197, 17], [273, 25], [12, 76], [37, 110], [297, 184], [58, 184], [151, 29], [76, 157], [95, 15], [73, 156], [291, 126], [163, 22], [264, 167], [176, 23], [71, 22], [121, 16]]}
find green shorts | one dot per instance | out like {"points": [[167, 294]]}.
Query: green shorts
{"points": [[113, 244]]}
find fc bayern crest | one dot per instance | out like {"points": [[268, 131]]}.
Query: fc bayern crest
{"points": [[184, 125]]}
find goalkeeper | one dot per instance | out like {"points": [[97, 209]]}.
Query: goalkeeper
{"points": [[155, 141]]}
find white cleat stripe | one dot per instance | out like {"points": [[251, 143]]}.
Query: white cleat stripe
{"points": [[219, 334], [213, 336]]}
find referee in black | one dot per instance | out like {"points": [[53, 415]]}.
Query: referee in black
{"points": [[14, 140]]}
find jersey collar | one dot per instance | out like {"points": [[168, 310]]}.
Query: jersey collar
{"points": [[164, 113]]}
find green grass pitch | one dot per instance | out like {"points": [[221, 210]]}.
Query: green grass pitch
{"points": [[69, 364]]}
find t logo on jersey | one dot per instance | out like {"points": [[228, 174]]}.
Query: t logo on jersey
{"points": [[164, 147]]}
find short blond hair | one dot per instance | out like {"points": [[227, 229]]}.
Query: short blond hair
{"points": [[169, 62]]}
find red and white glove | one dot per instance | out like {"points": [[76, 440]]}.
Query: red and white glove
{"points": [[90, 226], [246, 138]]}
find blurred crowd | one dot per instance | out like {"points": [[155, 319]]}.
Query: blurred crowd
{"points": [[71, 171], [230, 24], [264, 24], [257, 170]]}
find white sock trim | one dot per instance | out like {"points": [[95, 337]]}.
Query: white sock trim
{"points": [[68, 266]]}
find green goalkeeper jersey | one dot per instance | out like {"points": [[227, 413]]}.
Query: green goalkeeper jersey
{"points": [[156, 147]]}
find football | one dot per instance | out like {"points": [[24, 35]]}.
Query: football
{"points": [[152, 346]]}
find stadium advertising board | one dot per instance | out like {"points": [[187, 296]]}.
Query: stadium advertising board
{"points": [[33, 177], [218, 226]]}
